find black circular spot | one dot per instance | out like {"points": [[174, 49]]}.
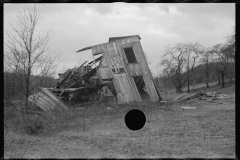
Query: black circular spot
{"points": [[135, 119]]}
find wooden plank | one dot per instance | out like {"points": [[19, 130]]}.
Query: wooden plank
{"points": [[147, 76], [186, 96], [64, 79], [105, 73], [97, 49], [110, 46], [141, 53], [52, 96], [122, 41], [128, 40], [130, 78], [134, 39], [40, 100], [117, 86], [178, 97], [103, 63], [130, 95], [122, 84], [119, 90], [106, 55], [43, 101], [134, 69]]}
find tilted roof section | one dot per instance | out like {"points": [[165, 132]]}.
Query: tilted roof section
{"points": [[110, 40], [117, 38]]}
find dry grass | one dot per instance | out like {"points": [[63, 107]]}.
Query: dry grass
{"points": [[99, 131]]}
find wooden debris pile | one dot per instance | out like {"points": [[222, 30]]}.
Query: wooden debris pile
{"points": [[81, 85], [75, 87], [208, 96]]}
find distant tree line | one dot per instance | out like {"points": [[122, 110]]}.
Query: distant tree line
{"points": [[186, 64], [14, 83]]}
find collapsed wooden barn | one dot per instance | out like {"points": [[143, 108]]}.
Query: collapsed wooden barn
{"points": [[119, 73], [124, 63]]}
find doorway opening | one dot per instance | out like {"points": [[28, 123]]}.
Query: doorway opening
{"points": [[142, 89]]}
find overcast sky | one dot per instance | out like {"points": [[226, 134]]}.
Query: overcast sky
{"points": [[81, 25]]}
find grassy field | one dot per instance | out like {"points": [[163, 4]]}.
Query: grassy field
{"points": [[99, 131]]}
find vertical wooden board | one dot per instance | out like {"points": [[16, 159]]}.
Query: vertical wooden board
{"points": [[113, 53], [97, 49], [141, 53], [109, 73], [119, 90], [134, 39], [131, 69], [111, 46], [116, 85], [128, 87], [134, 69], [138, 70], [104, 73], [43, 101], [106, 56], [121, 41], [94, 50], [133, 86], [121, 84], [147, 76], [126, 93], [103, 62], [128, 40], [123, 87], [54, 98]]}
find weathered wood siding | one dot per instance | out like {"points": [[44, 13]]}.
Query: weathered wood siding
{"points": [[135, 69], [97, 49], [103, 63], [114, 59], [147, 76], [142, 64], [46, 100], [105, 73], [133, 86]]}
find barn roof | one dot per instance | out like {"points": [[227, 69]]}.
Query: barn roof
{"points": [[117, 38], [110, 40]]}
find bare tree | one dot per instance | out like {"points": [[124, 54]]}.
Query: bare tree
{"points": [[230, 44], [222, 58], [206, 58], [191, 55], [179, 63], [27, 51], [174, 62], [169, 73]]}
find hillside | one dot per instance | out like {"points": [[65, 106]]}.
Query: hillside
{"points": [[13, 82], [198, 76]]}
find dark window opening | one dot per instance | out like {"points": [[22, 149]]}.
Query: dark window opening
{"points": [[130, 55]]}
